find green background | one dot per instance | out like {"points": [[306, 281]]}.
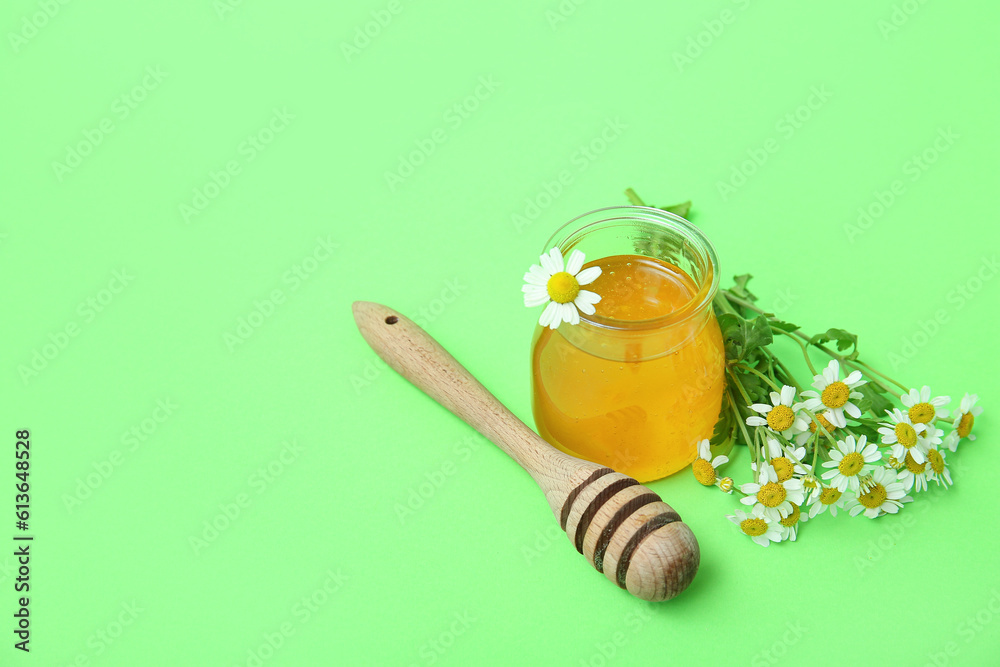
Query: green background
{"points": [[282, 429]]}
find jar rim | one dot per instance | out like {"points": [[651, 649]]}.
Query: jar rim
{"points": [[569, 234]]}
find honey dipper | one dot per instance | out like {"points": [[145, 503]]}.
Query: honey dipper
{"points": [[624, 529]]}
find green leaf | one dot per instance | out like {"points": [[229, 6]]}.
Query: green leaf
{"points": [[678, 209], [740, 287], [784, 326], [844, 339], [878, 403], [633, 197]]}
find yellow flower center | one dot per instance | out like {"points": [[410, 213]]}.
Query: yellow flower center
{"points": [[780, 418], [783, 467], [562, 287], [936, 461], [726, 484], [824, 422], [703, 472], [829, 495], [809, 482], [792, 518], [753, 527], [913, 466], [965, 425], [873, 497], [835, 395], [906, 435], [921, 413], [851, 464], [895, 463], [771, 494]]}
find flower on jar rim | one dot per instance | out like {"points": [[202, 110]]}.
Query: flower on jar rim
{"points": [[775, 498], [965, 415], [881, 493], [557, 283], [782, 416], [922, 408], [757, 525], [705, 467], [904, 436], [851, 460], [835, 395]]}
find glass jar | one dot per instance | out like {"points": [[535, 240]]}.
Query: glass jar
{"points": [[638, 384]]}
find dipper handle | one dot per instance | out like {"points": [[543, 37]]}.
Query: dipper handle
{"points": [[625, 530]]}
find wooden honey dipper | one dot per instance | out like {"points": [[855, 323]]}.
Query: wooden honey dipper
{"points": [[624, 529]]}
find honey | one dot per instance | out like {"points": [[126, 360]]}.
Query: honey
{"points": [[638, 384]]}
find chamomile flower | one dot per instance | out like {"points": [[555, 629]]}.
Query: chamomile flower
{"points": [[882, 493], [922, 408], [835, 394], [850, 460], [558, 285], [704, 467], [903, 435], [938, 468], [951, 440], [789, 526], [931, 437], [773, 497], [965, 416], [785, 464], [823, 498], [803, 438], [782, 416], [757, 525], [725, 484], [913, 474]]}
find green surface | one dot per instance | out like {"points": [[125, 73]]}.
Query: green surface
{"points": [[191, 363]]}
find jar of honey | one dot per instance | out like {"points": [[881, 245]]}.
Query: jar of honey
{"points": [[639, 383]]}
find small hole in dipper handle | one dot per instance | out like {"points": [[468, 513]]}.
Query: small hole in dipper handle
{"points": [[392, 319]]}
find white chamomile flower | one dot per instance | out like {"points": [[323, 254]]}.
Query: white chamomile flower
{"points": [[782, 416], [965, 416], [881, 493], [904, 436], [951, 440], [938, 468], [823, 498], [922, 408], [757, 525], [931, 437], [835, 394], [773, 497], [785, 464], [559, 286], [850, 460], [705, 467], [789, 526], [913, 475]]}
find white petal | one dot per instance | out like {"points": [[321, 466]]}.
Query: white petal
{"points": [[536, 276], [762, 408], [549, 314], [574, 262], [574, 314], [756, 421], [852, 410], [532, 299], [588, 275], [836, 417], [787, 395], [852, 378], [775, 398]]}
